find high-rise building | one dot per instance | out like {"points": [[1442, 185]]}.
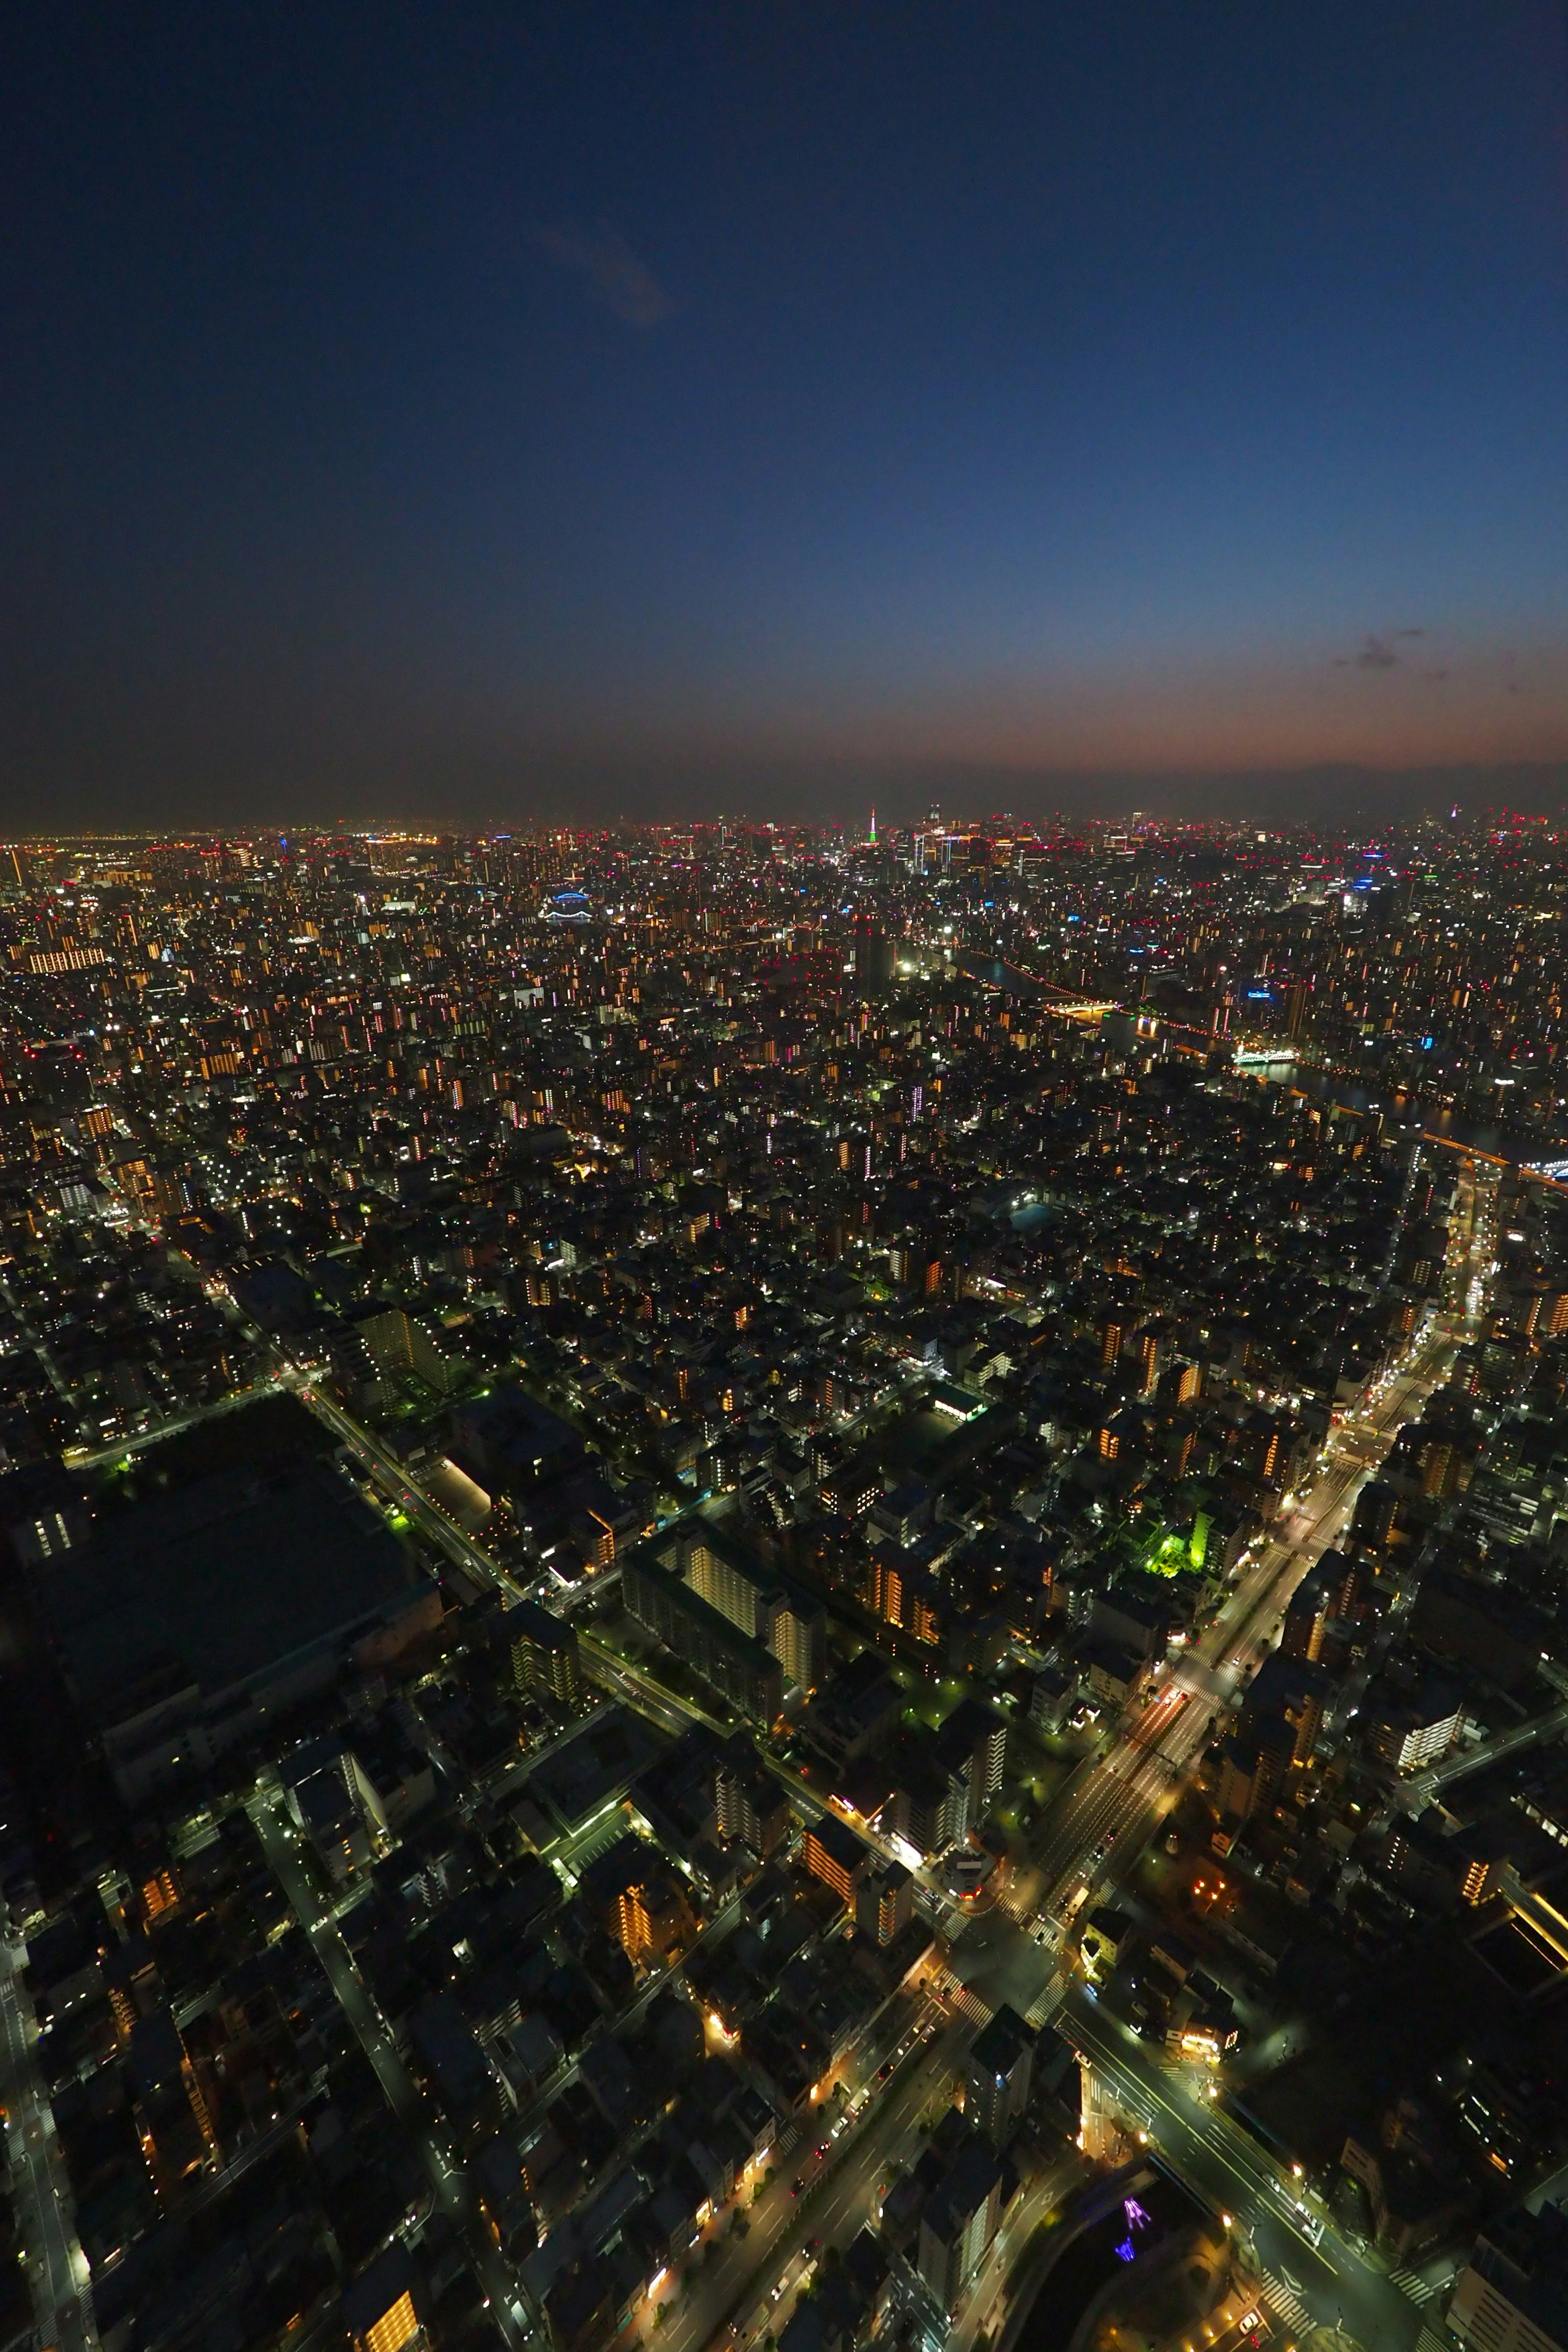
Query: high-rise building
{"points": [[655, 1917], [1280, 1719], [396, 1342], [1307, 1617], [1509, 2297], [729, 1580], [169, 2109], [882, 1590], [737, 1667], [997, 2074], [1375, 1512], [797, 1636], [723, 1571], [960, 2221], [545, 1654], [929, 1807], [884, 1904], [1296, 1009], [836, 1855], [1413, 1729], [973, 1745], [874, 957], [1284, 1706], [1346, 1581], [1442, 1466], [748, 1802]]}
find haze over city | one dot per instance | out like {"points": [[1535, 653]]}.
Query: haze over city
{"points": [[482, 413]]}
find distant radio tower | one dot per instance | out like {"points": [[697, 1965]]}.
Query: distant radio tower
{"points": [[873, 824]]}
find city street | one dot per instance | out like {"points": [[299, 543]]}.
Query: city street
{"points": [[1005, 2281], [1106, 1812], [835, 2199], [427, 2132], [57, 2267], [1308, 2283], [403, 1490]]}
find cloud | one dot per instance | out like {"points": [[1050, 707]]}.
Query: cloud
{"points": [[615, 275], [1376, 652]]}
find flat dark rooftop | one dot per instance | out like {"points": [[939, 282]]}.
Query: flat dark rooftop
{"points": [[605, 1756], [230, 1576]]}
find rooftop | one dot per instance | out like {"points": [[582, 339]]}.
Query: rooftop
{"points": [[227, 1578]]}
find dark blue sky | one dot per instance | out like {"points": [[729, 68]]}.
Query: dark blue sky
{"points": [[456, 408]]}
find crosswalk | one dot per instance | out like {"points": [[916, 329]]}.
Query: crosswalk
{"points": [[965, 2003], [1419, 2290], [961, 2001], [1286, 2303], [1041, 2011]]}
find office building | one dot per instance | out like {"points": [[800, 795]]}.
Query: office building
{"points": [[511, 1443], [849, 1488]]}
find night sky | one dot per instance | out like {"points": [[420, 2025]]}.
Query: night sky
{"points": [[479, 413]]}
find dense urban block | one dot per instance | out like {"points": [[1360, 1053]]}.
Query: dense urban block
{"points": [[754, 1575]]}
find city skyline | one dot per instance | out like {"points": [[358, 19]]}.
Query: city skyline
{"points": [[783, 1177]]}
